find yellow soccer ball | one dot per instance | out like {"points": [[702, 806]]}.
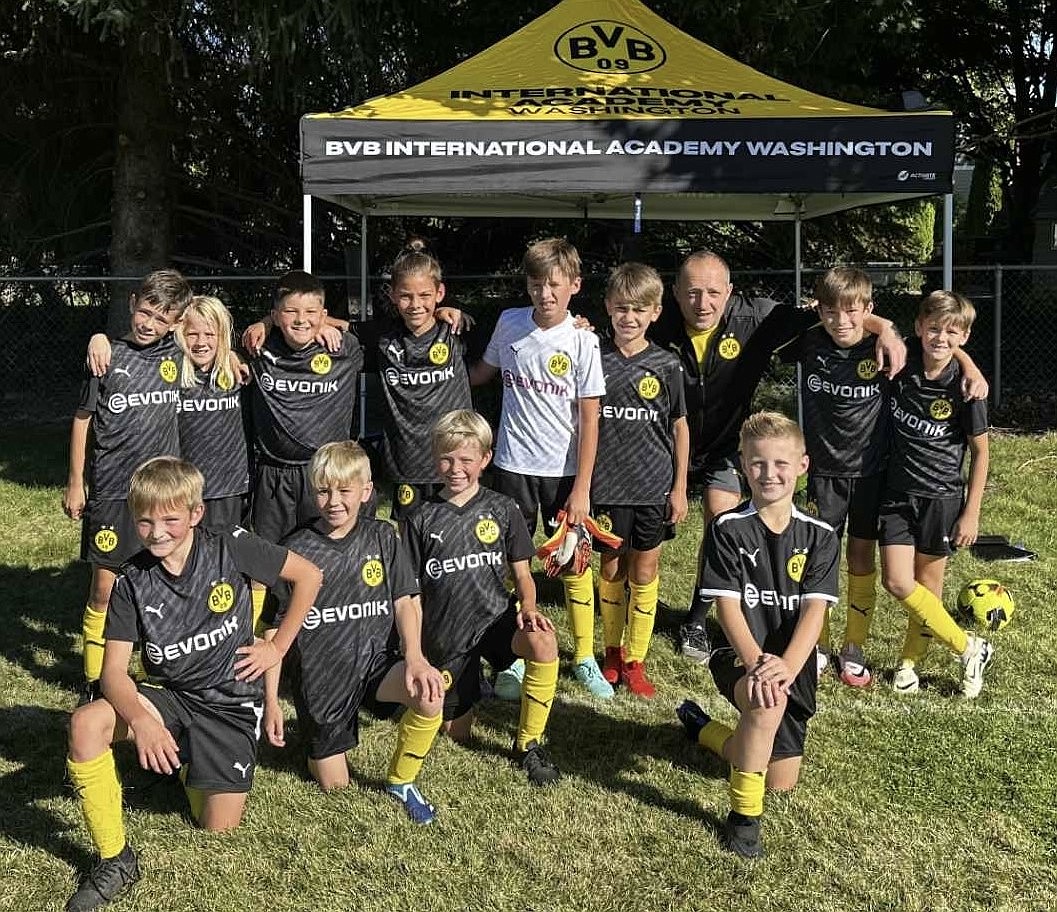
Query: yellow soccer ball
{"points": [[987, 602]]}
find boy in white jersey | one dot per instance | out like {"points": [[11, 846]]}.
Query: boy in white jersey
{"points": [[772, 570], [548, 433]]}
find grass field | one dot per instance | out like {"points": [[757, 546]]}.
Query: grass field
{"points": [[922, 803]]}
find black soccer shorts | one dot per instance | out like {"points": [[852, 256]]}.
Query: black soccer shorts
{"points": [[927, 523], [218, 743], [856, 501], [643, 528], [534, 494], [464, 671], [108, 534]]}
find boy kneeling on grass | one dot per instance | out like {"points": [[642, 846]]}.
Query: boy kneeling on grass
{"points": [[186, 598], [771, 570]]}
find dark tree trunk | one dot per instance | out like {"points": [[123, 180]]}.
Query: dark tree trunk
{"points": [[141, 213]]}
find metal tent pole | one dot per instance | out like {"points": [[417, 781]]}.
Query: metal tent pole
{"points": [[948, 241], [365, 314], [798, 280], [306, 232]]}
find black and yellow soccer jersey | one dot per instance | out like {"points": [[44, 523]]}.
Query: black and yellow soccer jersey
{"points": [[191, 625], [844, 404], [931, 425], [644, 397], [461, 555], [771, 575], [134, 414], [213, 436], [423, 377], [348, 634], [302, 399], [719, 393]]}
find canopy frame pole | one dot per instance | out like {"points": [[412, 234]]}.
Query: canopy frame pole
{"points": [[306, 232], [365, 314], [948, 241], [798, 290]]}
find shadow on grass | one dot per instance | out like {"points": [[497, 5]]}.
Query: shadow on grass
{"points": [[40, 614], [587, 742], [33, 739], [35, 456]]}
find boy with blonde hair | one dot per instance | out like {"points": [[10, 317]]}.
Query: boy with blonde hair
{"points": [[548, 433], [186, 598], [639, 484], [125, 416], [465, 542], [772, 570], [344, 657], [928, 510]]}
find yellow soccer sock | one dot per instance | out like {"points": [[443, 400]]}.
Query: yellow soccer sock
{"points": [[537, 695], [916, 642], [613, 605], [196, 798], [580, 604], [824, 641], [928, 609], [714, 736], [862, 600], [257, 597], [746, 792], [642, 610], [414, 738], [99, 791], [92, 624]]}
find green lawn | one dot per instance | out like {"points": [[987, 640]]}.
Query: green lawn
{"points": [[928, 802]]}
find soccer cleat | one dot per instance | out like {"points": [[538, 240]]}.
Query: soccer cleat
{"points": [[418, 809], [741, 835], [508, 682], [821, 660], [977, 656], [90, 691], [537, 764], [108, 878], [589, 674], [694, 644], [905, 680], [614, 661], [633, 677], [852, 665], [693, 717]]}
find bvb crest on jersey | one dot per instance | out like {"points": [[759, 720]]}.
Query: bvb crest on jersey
{"points": [[649, 387], [106, 539], [438, 353], [486, 530], [559, 364], [405, 494], [866, 369], [373, 574], [320, 363], [941, 409], [168, 370], [225, 382], [795, 565], [729, 348], [221, 597]]}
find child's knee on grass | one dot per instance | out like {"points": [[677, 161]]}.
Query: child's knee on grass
{"points": [[783, 774], [330, 772], [459, 729], [222, 811]]}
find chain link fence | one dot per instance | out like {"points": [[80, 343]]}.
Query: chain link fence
{"points": [[47, 321]]}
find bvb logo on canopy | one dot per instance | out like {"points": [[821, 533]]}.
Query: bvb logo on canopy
{"points": [[438, 353], [866, 369], [795, 566], [168, 370], [729, 348], [221, 598], [604, 45], [321, 363], [649, 387], [941, 409], [372, 572]]}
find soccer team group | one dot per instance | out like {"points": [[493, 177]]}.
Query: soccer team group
{"points": [[178, 441]]}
